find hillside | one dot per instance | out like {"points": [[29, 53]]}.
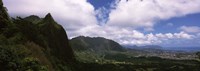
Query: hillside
{"points": [[33, 44], [96, 44]]}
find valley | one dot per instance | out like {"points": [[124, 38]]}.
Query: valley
{"points": [[147, 59]]}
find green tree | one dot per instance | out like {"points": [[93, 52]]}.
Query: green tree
{"points": [[16, 58]]}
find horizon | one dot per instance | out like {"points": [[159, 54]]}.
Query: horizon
{"points": [[148, 22]]}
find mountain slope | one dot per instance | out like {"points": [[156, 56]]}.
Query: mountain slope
{"points": [[33, 44], [96, 44], [56, 38], [33, 18]]}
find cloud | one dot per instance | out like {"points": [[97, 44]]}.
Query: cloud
{"points": [[133, 37], [190, 29], [78, 17], [157, 39], [102, 14], [72, 14], [137, 13]]}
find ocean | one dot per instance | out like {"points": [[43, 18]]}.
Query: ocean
{"points": [[188, 49]]}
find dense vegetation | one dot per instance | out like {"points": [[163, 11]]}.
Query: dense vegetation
{"points": [[33, 44], [96, 44], [123, 61]]}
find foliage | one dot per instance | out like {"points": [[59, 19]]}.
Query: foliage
{"points": [[97, 44], [34, 19], [33, 44], [17, 58]]}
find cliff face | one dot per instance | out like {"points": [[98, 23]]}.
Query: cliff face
{"points": [[33, 43], [56, 38]]}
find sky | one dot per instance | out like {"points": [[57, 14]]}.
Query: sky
{"points": [[168, 23]]}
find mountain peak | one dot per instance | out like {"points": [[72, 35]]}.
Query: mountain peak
{"points": [[48, 17], [56, 38]]}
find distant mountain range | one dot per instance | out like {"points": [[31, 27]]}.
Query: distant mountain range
{"points": [[143, 47]]}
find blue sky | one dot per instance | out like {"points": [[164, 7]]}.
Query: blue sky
{"points": [[169, 23], [162, 26], [98, 5], [188, 20], [101, 3]]}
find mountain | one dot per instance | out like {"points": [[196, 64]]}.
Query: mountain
{"points": [[56, 38], [33, 18], [96, 43], [151, 47], [94, 49], [33, 44], [143, 47], [130, 46]]}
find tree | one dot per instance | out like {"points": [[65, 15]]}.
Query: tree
{"points": [[17, 58]]}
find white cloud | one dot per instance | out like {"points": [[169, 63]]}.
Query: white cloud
{"points": [[78, 18], [72, 14], [137, 13], [190, 29], [157, 38], [134, 37], [183, 35]]}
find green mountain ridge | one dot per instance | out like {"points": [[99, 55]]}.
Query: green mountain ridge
{"points": [[33, 44], [33, 18], [93, 49], [95, 44]]}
